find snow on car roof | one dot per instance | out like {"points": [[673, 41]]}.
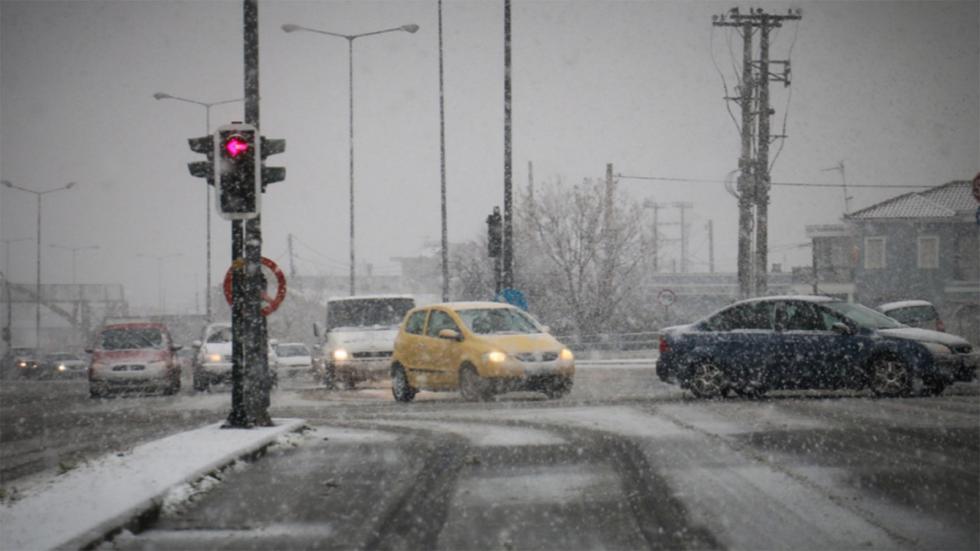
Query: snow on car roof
{"points": [[902, 304], [467, 305], [369, 297], [807, 298]]}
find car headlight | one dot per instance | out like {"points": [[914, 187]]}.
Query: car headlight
{"points": [[214, 358], [340, 355], [61, 367], [496, 356], [566, 355], [21, 364], [936, 348]]}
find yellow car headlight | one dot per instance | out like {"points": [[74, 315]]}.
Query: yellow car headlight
{"points": [[496, 356], [340, 355], [214, 358], [566, 355]]}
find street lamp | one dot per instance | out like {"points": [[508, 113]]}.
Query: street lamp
{"points": [[207, 192], [37, 288], [74, 255], [160, 258], [409, 28]]}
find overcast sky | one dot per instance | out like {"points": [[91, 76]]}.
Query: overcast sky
{"points": [[890, 88]]}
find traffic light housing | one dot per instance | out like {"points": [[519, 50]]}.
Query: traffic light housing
{"points": [[202, 169], [272, 174], [237, 171], [494, 233]]}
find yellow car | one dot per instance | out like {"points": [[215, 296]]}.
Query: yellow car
{"points": [[480, 348]]}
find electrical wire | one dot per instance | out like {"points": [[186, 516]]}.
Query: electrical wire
{"points": [[724, 83], [789, 98], [790, 184]]}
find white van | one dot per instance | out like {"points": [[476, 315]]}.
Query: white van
{"points": [[359, 337]]}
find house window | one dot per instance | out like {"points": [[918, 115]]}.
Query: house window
{"points": [[874, 253], [928, 252]]}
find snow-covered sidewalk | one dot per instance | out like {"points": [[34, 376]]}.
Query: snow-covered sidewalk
{"points": [[83, 505]]}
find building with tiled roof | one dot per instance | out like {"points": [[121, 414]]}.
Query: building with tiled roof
{"points": [[921, 245], [950, 200]]}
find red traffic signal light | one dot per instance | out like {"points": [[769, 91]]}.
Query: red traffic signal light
{"points": [[236, 145]]}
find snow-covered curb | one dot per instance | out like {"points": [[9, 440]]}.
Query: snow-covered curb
{"points": [[87, 503]]}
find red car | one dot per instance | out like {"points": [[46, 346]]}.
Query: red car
{"points": [[133, 356]]}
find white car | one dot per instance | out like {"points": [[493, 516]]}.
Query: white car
{"points": [[293, 358], [212, 362], [359, 337]]}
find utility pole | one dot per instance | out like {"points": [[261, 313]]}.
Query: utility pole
{"points": [[754, 180], [530, 188], [655, 207], [711, 246], [508, 241], [292, 264], [683, 206]]}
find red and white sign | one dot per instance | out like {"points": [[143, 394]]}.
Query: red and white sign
{"points": [[273, 301]]}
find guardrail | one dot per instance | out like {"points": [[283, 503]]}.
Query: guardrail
{"points": [[612, 341]]}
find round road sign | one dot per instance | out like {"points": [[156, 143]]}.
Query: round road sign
{"points": [[273, 302], [666, 297]]}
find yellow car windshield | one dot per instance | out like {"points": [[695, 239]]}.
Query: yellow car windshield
{"points": [[487, 321]]}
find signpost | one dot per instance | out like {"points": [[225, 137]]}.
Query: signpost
{"points": [[666, 298]]}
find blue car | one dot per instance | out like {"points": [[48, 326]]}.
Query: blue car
{"points": [[809, 342]]}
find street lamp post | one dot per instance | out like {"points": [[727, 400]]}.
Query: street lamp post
{"points": [[207, 192], [74, 256], [37, 279], [409, 28], [162, 303]]}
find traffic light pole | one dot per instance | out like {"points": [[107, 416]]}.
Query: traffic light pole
{"points": [[250, 362]]}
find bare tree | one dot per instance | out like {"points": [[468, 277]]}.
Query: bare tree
{"points": [[577, 263]]}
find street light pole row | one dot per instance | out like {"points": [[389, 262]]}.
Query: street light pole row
{"points": [[409, 28], [37, 288]]}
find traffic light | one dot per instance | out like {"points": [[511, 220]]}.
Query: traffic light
{"points": [[238, 188], [202, 169], [494, 233], [272, 174]]}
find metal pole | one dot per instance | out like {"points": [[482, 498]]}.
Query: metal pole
{"points": [[350, 121], [762, 166], [442, 169], [207, 230], [711, 246], [508, 241], [37, 288], [258, 382]]}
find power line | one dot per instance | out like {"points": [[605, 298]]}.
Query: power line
{"points": [[791, 184]]}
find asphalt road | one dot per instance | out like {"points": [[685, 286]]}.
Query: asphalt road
{"points": [[623, 462]]}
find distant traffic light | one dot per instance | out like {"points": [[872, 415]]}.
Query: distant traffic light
{"points": [[236, 171], [494, 233]]}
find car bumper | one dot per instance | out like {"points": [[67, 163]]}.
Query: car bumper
{"points": [[148, 376], [518, 371], [360, 369]]}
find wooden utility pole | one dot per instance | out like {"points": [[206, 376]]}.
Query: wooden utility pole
{"points": [[754, 180]]}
